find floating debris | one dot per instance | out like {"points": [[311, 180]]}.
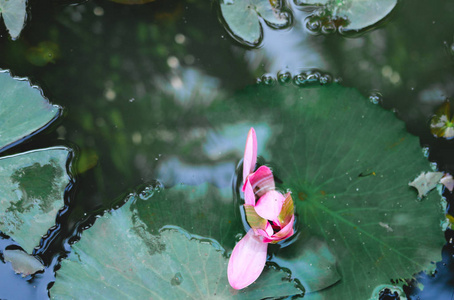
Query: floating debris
{"points": [[22, 262], [441, 124], [425, 182]]}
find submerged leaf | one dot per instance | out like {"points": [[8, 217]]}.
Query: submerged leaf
{"points": [[119, 258], [22, 262], [13, 13]]}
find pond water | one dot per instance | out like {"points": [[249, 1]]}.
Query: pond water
{"points": [[140, 87]]}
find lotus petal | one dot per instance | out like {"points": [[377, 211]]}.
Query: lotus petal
{"points": [[269, 206], [250, 154], [249, 196], [247, 261], [261, 181], [254, 220], [283, 234], [287, 211]]}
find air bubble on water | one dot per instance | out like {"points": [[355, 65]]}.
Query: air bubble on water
{"points": [[433, 166], [338, 79], [313, 25], [329, 28], [425, 152], [177, 279], [299, 79], [375, 97], [268, 79], [149, 191], [313, 76], [284, 77], [325, 79]]}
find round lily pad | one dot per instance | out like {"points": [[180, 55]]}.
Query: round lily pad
{"points": [[13, 13], [352, 15], [23, 111], [32, 190], [348, 163], [242, 18], [119, 258]]}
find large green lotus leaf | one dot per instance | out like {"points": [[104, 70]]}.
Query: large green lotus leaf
{"points": [[31, 193], [119, 259], [242, 18], [13, 13], [359, 13], [23, 109], [348, 163]]}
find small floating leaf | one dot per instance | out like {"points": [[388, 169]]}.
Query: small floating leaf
{"points": [[13, 13], [119, 258], [23, 109], [22, 262], [31, 193], [358, 14], [425, 182], [441, 124], [242, 18]]}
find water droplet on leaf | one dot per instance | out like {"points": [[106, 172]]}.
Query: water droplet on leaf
{"points": [[177, 279]]}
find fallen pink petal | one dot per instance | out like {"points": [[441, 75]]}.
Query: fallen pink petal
{"points": [[247, 261]]}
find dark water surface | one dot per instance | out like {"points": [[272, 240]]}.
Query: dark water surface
{"points": [[103, 61]]}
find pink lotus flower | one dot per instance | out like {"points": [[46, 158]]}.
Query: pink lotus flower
{"points": [[269, 213]]}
